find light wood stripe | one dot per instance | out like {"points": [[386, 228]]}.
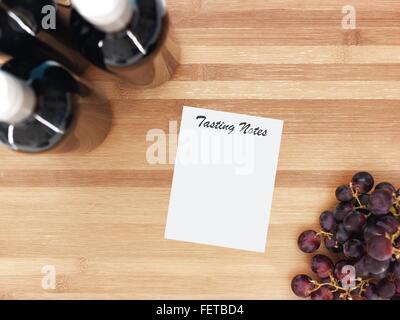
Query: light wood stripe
{"points": [[264, 90], [20, 267], [289, 54], [210, 6]]}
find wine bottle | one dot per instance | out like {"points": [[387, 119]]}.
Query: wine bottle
{"points": [[40, 19], [43, 107], [131, 39]]}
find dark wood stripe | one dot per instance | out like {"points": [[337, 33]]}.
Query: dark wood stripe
{"points": [[331, 72], [328, 178], [323, 117], [174, 106], [289, 72], [86, 178]]}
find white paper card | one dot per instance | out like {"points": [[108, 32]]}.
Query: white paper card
{"points": [[224, 179]]}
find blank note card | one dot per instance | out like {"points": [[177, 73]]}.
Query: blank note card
{"points": [[224, 179]]}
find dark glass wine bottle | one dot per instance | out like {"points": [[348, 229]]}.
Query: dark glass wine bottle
{"points": [[43, 107], [129, 38], [40, 19]]}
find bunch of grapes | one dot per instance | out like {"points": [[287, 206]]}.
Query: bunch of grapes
{"points": [[363, 232]]}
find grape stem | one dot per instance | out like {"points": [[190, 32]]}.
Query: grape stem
{"points": [[355, 193], [396, 235], [322, 233], [393, 211], [396, 205], [346, 294]]}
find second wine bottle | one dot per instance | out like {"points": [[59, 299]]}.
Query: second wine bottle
{"points": [[129, 38]]}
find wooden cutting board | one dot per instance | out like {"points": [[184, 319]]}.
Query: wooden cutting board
{"points": [[99, 218]]}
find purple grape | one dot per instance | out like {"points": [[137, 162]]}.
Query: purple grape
{"points": [[327, 221], [396, 243], [364, 199], [397, 285], [362, 182], [371, 292], [325, 280], [337, 270], [309, 241], [341, 234], [344, 193], [376, 267], [380, 248], [361, 270], [372, 231], [302, 286], [380, 202], [386, 186], [363, 211], [356, 292], [338, 295], [386, 289], [333, 245], [378, 277], [342, 210], [323, 293], [390, 224], [355, 222], [353, 249], [322, 266], [395, 269]]}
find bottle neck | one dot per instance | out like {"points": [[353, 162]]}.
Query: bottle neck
{"points": [[111, 16], [17, 99]]}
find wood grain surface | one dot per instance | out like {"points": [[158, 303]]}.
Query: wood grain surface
{"points": [[99, 218]]}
